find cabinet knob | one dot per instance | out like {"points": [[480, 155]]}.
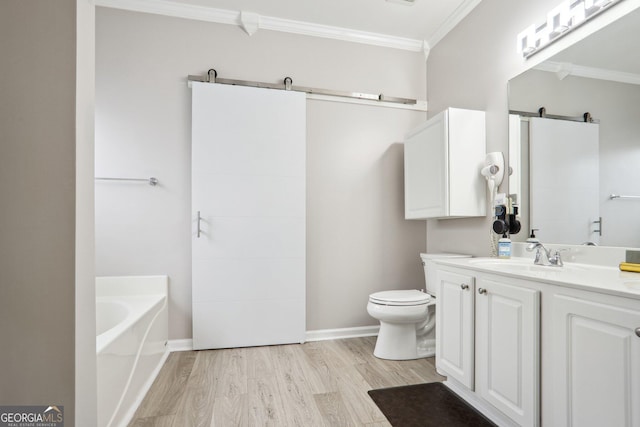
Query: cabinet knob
{"points": [[638, 332], [482, 291], [464, 286]]}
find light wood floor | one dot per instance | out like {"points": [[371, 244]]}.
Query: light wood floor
{"points": [[322, 383]]}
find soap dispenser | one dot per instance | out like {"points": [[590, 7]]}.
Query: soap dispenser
{"points": [[532, 238], [504, 247]]}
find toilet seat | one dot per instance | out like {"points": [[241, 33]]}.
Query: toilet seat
{"points": [[400, 298]]}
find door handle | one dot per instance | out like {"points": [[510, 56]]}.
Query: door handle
{"points": [[638, 332], [482, 291], [198, 232], [464, 286]]}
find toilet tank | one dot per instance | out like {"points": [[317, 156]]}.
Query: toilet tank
{"points": [[429, 270]]}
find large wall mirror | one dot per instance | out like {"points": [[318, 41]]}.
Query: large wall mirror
{"points": [[577, 178]]}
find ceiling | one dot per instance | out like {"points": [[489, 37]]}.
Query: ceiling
{"points": [[422, 22]]}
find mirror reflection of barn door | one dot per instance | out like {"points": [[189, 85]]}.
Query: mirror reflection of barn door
{"points": [[564, 167], [248, 201]]}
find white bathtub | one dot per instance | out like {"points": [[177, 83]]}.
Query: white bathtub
{"points": [[131, 342]]}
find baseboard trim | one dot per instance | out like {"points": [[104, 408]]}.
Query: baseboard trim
{"points": [[316, 335], [336, 334], [180, 345]]}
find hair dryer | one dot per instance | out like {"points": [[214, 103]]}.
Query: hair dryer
{"points": [[493, 169]]}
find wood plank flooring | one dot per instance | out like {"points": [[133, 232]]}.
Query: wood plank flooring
{"points": [[322, 383]]}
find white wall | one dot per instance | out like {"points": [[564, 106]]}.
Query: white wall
{"points": [[85, 360], [357, 239], [617, 107], [37, 203], [470, 68]]}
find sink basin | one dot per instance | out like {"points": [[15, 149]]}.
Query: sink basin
{"points": [[498, 261], [605, 278], [523, 264]]}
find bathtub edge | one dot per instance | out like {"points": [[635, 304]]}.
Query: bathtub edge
{"points": [[128, 415]]}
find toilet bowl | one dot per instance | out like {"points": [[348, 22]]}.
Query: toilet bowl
{"points": [[400, 313], [407, 317]]}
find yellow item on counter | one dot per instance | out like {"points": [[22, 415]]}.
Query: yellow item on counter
{"points": [[629, 266]]}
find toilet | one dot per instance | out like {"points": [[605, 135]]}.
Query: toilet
{"points": [[407, 317]]}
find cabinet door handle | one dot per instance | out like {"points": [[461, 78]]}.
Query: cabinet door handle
{"points": [[464, 286], [482, 291], [638, 332]]}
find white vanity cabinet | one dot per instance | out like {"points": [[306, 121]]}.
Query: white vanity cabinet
{"points": [[596, 361], [531, 345], [488, 339], [442, 162]]}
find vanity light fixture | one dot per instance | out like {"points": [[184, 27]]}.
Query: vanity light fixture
{"points": [[561, 20], [558, 20], [591, 6]]}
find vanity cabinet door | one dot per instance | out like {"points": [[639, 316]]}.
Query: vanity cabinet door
{"points": [[507, 349], [454, 327], [596, 358]]}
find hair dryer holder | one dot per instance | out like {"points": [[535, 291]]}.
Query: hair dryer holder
{"points": [[506, 223]]}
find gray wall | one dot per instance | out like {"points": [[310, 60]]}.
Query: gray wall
{"points": [[37, 193], [470, 68], [357, 239]]}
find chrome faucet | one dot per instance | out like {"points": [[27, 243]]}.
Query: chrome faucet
{"points": [[544, 256]]}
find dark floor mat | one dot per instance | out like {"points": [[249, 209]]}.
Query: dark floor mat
{"points": [[426, 405]]}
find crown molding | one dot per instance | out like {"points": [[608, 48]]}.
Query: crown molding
{"points": [[339, 33], [179, 10], [223, 16], [454, 19], [563, 69]]}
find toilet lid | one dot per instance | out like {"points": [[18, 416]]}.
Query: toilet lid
{"points": [[403, 297]]}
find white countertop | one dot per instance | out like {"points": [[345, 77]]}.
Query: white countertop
{"points": [[595, 278]]}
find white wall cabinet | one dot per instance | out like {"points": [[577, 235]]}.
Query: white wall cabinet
{"points": [[488, 338], [442, 162], [596, 355]]}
